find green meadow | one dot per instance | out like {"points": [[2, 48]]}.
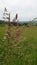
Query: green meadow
{"points": [[19, 51]]}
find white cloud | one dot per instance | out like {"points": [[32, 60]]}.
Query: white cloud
{"points": [[26, 9]]}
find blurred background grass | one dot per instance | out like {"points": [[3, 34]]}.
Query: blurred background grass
{"points": [[24, 51]]}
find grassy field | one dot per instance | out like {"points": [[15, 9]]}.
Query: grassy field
{"points": [[22, 50]]}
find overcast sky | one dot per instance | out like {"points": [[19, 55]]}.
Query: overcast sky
{"points": [[26, 9]]}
